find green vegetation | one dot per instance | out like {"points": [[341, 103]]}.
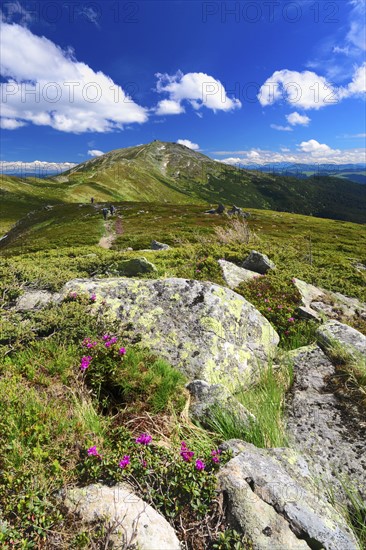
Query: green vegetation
{"points": [[266, 401], [163, 172], [64, 392]]}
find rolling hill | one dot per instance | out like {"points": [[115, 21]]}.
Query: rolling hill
{"points": [[171, 173]]}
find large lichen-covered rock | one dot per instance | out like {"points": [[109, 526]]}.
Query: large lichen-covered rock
{"points": [[207, 400], [133, 522], [272, 498], [207, 331], [329, 429], [345, 336], [234, 275]]}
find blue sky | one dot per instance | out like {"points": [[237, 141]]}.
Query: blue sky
{"points": [[251, 81]]}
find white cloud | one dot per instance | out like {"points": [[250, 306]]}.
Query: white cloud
{"points": [[48, 86], [296, 118], [357, 87], [10, 123], [308, 152], [40, 167], [12, 11], [188, 144], [315, 148], [199, 89], [281, 128], [169, 107], [356, 35], [306, 90], [95, 153]]}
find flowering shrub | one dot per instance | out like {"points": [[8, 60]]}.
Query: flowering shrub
{"points": [[278, 301], [175, 485], [134, 376]]}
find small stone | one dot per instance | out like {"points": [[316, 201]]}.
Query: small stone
{"points": [[260, 263]]}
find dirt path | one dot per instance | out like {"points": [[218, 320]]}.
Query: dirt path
{"points": [[110, 236]]}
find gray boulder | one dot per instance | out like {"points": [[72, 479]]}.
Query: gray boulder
{"points": [[207, 331], [329, 429], [135, 266], [236, 210], [347, 337], [34, 299], [318, 303], [234, 275], [132, 521], [155, 245], [260, 263], [207, 399], [272, 499]]}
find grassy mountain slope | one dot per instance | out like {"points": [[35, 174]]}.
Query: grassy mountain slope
{"points": [[163, 172]]}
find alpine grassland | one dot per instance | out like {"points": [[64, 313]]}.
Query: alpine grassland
{"points": [[82, 397]]}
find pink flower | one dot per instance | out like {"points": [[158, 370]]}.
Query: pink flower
{"points": [[92, 451], [215, 455], [291, 319], [122, 351], [200, 465], [185, 453], [105, 337], [124, 462], [85, 362], [266, 299], [93, 297], [73, 295], [144, 439], [269, 308], [143, 463]]}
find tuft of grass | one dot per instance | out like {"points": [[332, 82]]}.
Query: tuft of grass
{"points": [[266, 401], [351, 367]]}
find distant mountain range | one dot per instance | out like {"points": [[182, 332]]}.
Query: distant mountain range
{"points": [[170, 172]]}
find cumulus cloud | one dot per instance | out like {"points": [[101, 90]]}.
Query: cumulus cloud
{"points": [[10, 123], [357, 87], [306, 90], [281, 128], [95, 153], [169, 107], [308, 152], [188, 144], [41, 168], [48, 86], [295, 118], [309, 90], [198, 89]]}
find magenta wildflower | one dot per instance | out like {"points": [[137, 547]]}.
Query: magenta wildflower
{"points": [[105, 337], [143, 463], [269, 308], [124, 462], [291, 319], [85, 362], [113, 340], [122, 351], [144, 439], [92, 451], [73, 295], [200, 465], [185, 453], [266, 299], [215, 454], [93, 297]]}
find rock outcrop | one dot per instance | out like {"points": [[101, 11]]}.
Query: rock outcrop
{"points": [[135, 266], [155, 245], [34, 299], [260, 263], [272, 499], [234, 275], [350, 339], [318, 303], [133, 523], [207, 331], [329, 428]]}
